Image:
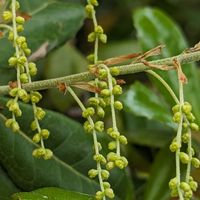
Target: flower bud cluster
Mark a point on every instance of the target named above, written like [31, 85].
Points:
[25, 70]
[183, 114]
[187, 188]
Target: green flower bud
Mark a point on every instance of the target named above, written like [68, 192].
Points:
[184, 158]
[195, 162]
[93, 101]
[102, 103]
[33, 125]
[107, 100]
[100, 112]
[24, 78]
[188, 194]
[9, 122]
[12, 61]
[40, 113]
[118, 105]
[123, 139]
[99, 195]
[99, 146]
[109, 193]
[105, 174]
[190, 150]
[27, 51]
[20, 28]
[15, 126]
[120, 164]
[20, 40]
[13, 92]
[102, 84]
[114, 134]
[190, 117]
[98, 29]
[44, 133]
[48, 154]
[193, 185]
[35, 153]
[32, 69]
[94, 2]
[174, 193]
[99, 126]
[92, 173]
[22, 94]
[91, 37]
[112, 156]
[117, 90]
[105, 92]
[99, 158]
[112, 145]
[177, 117]
[114, 71]
[194, 127]
[35, 97]
[185, 125]
[88, 127]
[88, 112]
[187, 108]
[11, 36]
[7, 16]
[106, 185]
[22, 60]
[20, 20]
[185, 186]
[41, 152]
[110, 165]
[36, 138]
[89, 10]
[103, 38]
[90, 58]
[24, 44]
[102, 73]
[176, 108]
[26, 99]
[173, 183]
[186, 137]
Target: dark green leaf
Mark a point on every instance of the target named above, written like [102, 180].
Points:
[162, 171]
[51, 194]
[7, 188]
[52, 21]
[73, 156]
[154, 28]
[141, 101]
[142, 131]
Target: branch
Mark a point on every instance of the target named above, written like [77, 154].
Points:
[87, 76]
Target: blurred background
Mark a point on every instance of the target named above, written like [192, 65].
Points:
[131, 26]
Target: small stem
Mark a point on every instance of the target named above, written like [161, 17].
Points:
[165, 84]
[14, 39]
[112, 101]
[5, 26]
[95, 141]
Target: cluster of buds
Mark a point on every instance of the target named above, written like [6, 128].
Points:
[184, 113]
[25, 70]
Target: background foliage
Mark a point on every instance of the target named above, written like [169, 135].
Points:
[146, 119]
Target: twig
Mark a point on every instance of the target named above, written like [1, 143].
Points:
[87, 76]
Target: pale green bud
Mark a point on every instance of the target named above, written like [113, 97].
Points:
[185, 186]
[22, 60]
[105, 92]
[123, 139]
[91, 37]
[112, 145]
[92, 173]
[24, 78]
[184, 158]
[12, 61]
[40, 113]
[99, 126]
[114, 71]
[109, 193]
[174, 146]
[93, 101]
[105, 174]
[7, 16]
[100, 112]
[173, 183]
[103, 38]
[194, 127]
[99, 158]
[99, 195]
[186, 137]
[117, 90]
[48, 154]
[20, 28]
[176, 108]
[94, 2]
[110, 165]
[195, 162]
[32, 69]
[88, 127]
[36, 138]
[20, 20]
[33, 125]
[15, 126]
[35, 97]
[177, 117]
[44, 133]
[13, 92]
[193, 185]
[112, 156]
[98, 29]
[118, 105]
[89, 10]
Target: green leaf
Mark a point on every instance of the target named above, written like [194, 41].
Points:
[142, 131]
[141, 101]
[73, 155]
[154, 27]
[7, 188]
[161, 172]
[51, 194]
[52, 21]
